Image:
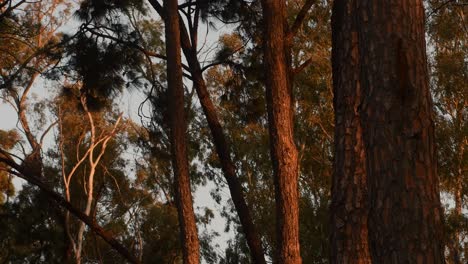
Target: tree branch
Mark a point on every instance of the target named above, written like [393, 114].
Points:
[158, 7]
[435, 10]
[132, 45]
[300, 18]
[90, 222]
[302, 66]
[189, 4]
[47, 131]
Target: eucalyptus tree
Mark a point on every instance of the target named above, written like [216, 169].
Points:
[448, 47]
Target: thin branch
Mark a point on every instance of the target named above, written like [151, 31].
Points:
[196, 20]
[10, 8]
[216, 63]
[4, 154]
[435, 10]
[189, 4]
[302, 66]
[300, 18]
[47, 131]
[158, 7]
[133, 45]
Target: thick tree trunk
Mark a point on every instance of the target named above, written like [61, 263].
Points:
[383, 107]
[349, 207]
[395, 111]
[281, 128]
[183, 194]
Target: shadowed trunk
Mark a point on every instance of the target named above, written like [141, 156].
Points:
[383, 120]
[349, 206]
[178, 126]
[280, 108]
[395, 110]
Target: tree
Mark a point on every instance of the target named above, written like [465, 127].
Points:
[448, 42]
[388, 93]
[183, 191]
[349, 206]
[280, 118]
[89, 162]
[239, 92]
[280, 106]
[189, 39]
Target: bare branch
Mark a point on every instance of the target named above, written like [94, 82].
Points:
[302, 66]
[47, 131]
[300, 18]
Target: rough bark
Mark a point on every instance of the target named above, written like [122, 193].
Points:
[178, 127]
[223, 148]
[349, 207]
[398, 131]
[284, 153]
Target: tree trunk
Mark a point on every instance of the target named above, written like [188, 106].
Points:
[224, 155]
[395, 110]
[178, 126]
[281, 129]
[222, 146]
[349, 207]
[456, 245]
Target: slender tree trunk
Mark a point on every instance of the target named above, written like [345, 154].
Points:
[224, 155]
[280, 117]
[222, 146]
[456, 247]
[178, 126]
[349, 207]
[33, 161]
[395, 110]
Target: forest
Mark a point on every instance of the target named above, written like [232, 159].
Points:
[234, 131]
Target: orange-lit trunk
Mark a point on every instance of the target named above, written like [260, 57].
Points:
[280, 107]
[178, 127]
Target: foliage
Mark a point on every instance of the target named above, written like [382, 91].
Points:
[449, 66]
